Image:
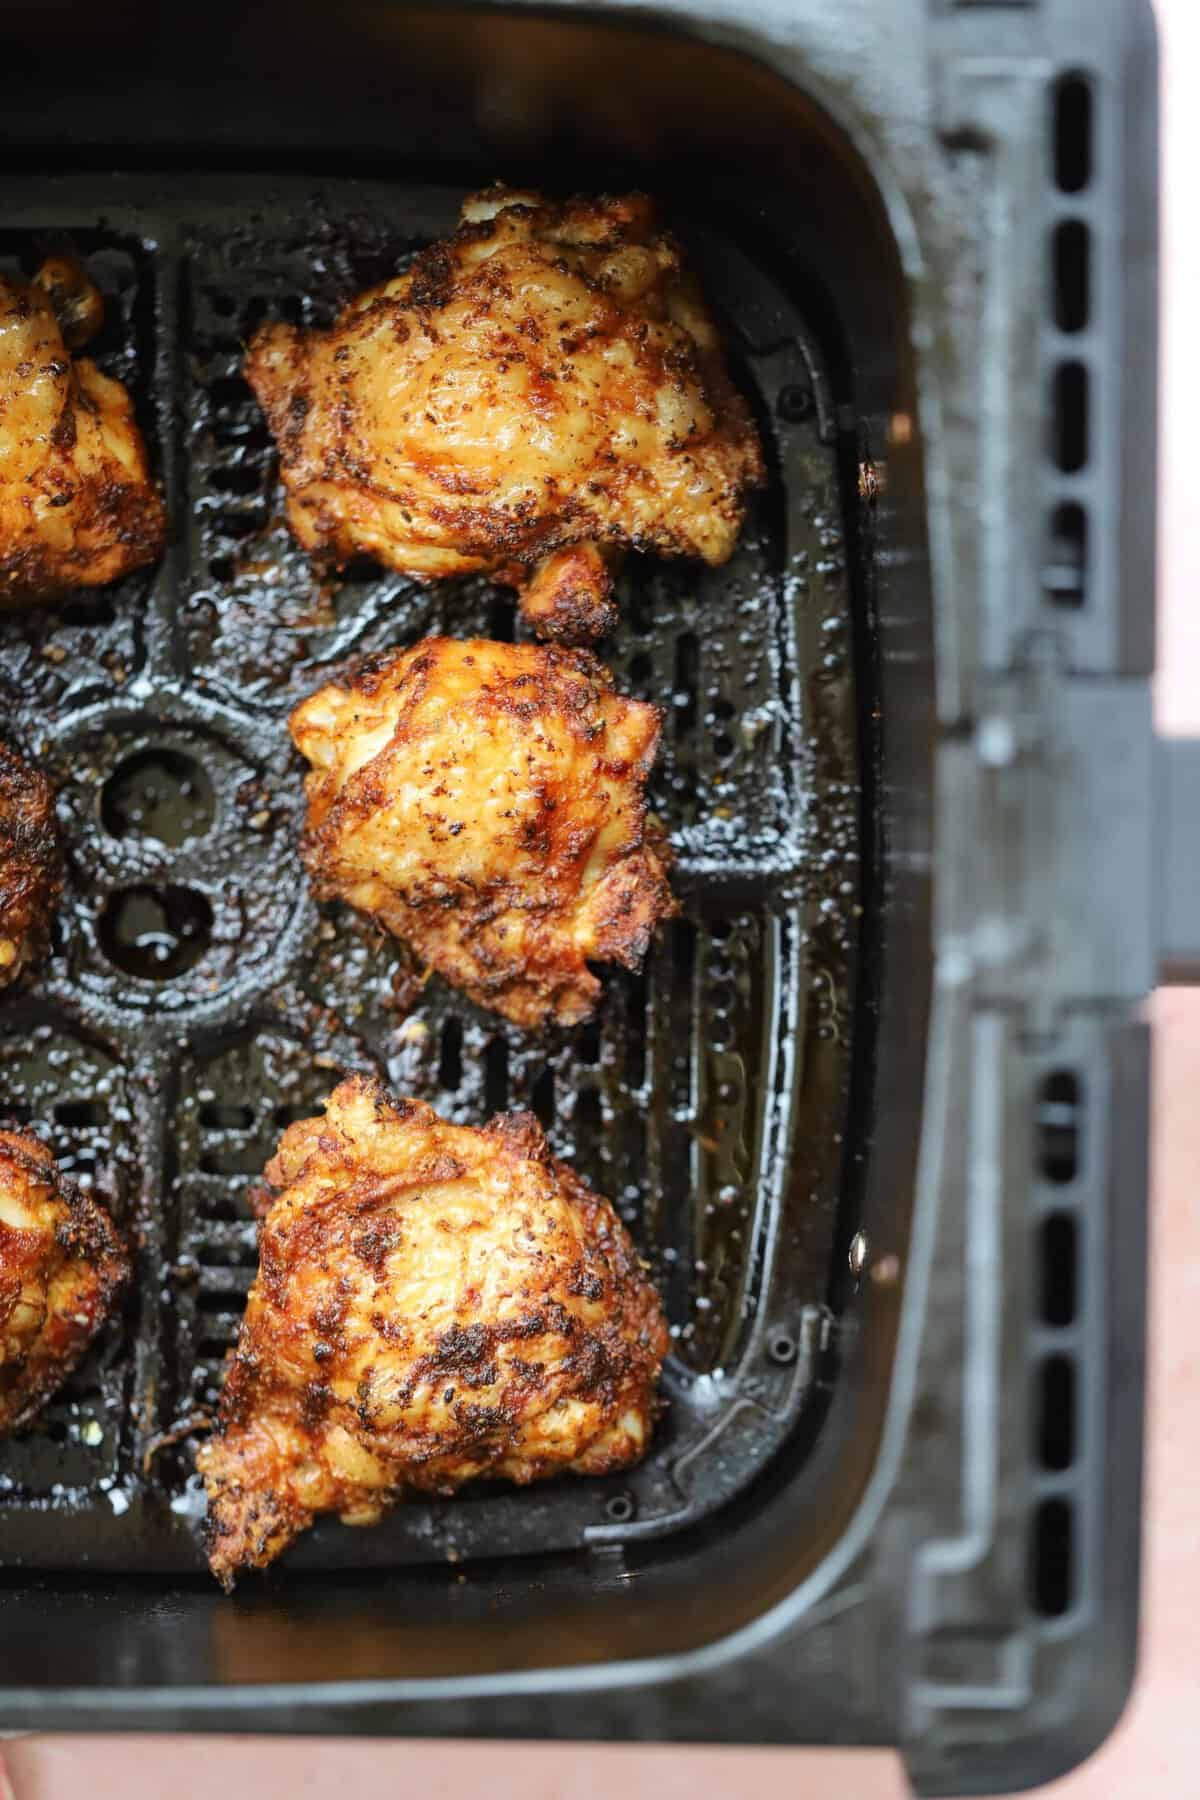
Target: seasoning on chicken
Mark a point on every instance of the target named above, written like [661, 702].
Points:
[485, 803]
[62, 1266]
[539, 390]
[30, 868]
[434, 1304]
[77, 506]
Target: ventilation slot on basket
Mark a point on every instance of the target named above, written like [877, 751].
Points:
[1058, 1114]
[241, 479]
[502, 618]
[541, 1098]
[588, 1120]
[450, 1065]
[219, 1312]
[231, 1154]
[1072, 275]
[1071, 406]
[215, 1117]
[1057, 1376]
[1059, 1257]
[1051, 1571]
[80, 1115]
[1072, 378]
[284, 1116]
[495, 1076]
[1056, 1413]
[1064, 573]
[633, 1073]
[684, 750]
[1072, 133]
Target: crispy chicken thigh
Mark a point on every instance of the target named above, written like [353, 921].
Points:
[61, 1268]
[30, 868]
[485, 803]
[530, 395]
[434, 1304]
[77, 506]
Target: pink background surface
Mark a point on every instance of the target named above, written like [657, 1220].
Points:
[1157, 1745]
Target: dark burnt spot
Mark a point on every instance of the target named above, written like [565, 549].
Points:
[586, 1285]
[316, 1397]
[63, 433]
[328, 1314]
[477, 1421]
[560, 1320]
[391, 1329]
[374, 1245]
[464, 1346]
[593, 1366]
[432, 281]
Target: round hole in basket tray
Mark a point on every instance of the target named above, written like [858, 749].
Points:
[158, 793]
[156, 932]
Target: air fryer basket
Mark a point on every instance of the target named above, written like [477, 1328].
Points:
[872, 1104]
[196, 1002]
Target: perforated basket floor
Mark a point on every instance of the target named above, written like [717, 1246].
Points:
[197, 1000]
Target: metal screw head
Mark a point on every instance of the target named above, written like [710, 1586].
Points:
[620, 1508]
[860, 1249]
[795, 403]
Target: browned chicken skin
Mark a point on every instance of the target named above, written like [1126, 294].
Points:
[434, 1304]
[77, 506]
[61, 1268]
[30, 868]
[485, 803]
[535, 392]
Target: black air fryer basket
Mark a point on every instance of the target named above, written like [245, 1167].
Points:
[876, 1109]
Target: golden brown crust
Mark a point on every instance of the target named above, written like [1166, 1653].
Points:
[485, 802]
[569, 596]
[62, 1265]
[546, 377]
[30, 866]
[77, 506]
[434, 1304]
